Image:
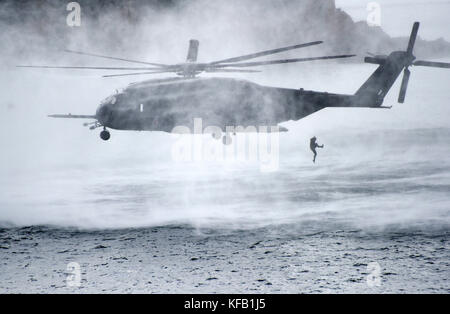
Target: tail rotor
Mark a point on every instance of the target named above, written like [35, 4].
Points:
[411, 61]
[391, 67]
[409, 58]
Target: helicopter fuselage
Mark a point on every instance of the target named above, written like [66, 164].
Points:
[218, 102]
[165, 104]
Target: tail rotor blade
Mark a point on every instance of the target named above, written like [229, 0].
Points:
[412, 38]
[442, 65]
[404, 87]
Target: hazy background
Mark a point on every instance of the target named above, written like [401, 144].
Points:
[397, 15]
[59, 172]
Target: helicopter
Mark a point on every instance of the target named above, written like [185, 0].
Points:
[163, 104]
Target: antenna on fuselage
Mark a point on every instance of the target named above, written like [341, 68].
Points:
[192, 51]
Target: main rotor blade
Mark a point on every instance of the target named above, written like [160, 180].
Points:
[251, 64]
[412, 38]
[218, 70]
[139, 73]
[82, 68]
[432, 64]
[265, 53]
[72, 116]
[404, 86]
[114, 58]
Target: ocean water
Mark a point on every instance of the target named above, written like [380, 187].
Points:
[372, 215]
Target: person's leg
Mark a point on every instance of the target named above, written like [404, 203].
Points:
[315, 154]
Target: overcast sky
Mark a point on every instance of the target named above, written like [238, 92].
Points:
[397, 16]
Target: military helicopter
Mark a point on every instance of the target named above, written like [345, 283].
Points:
[163, 104]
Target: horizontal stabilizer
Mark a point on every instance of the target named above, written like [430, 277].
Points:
[375, 60]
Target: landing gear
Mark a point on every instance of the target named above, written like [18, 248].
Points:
[105, 135]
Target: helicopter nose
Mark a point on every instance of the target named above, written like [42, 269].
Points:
[104, 114]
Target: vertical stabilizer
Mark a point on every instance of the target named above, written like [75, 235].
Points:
[380, 82]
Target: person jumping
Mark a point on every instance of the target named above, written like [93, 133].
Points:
[313, 145]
